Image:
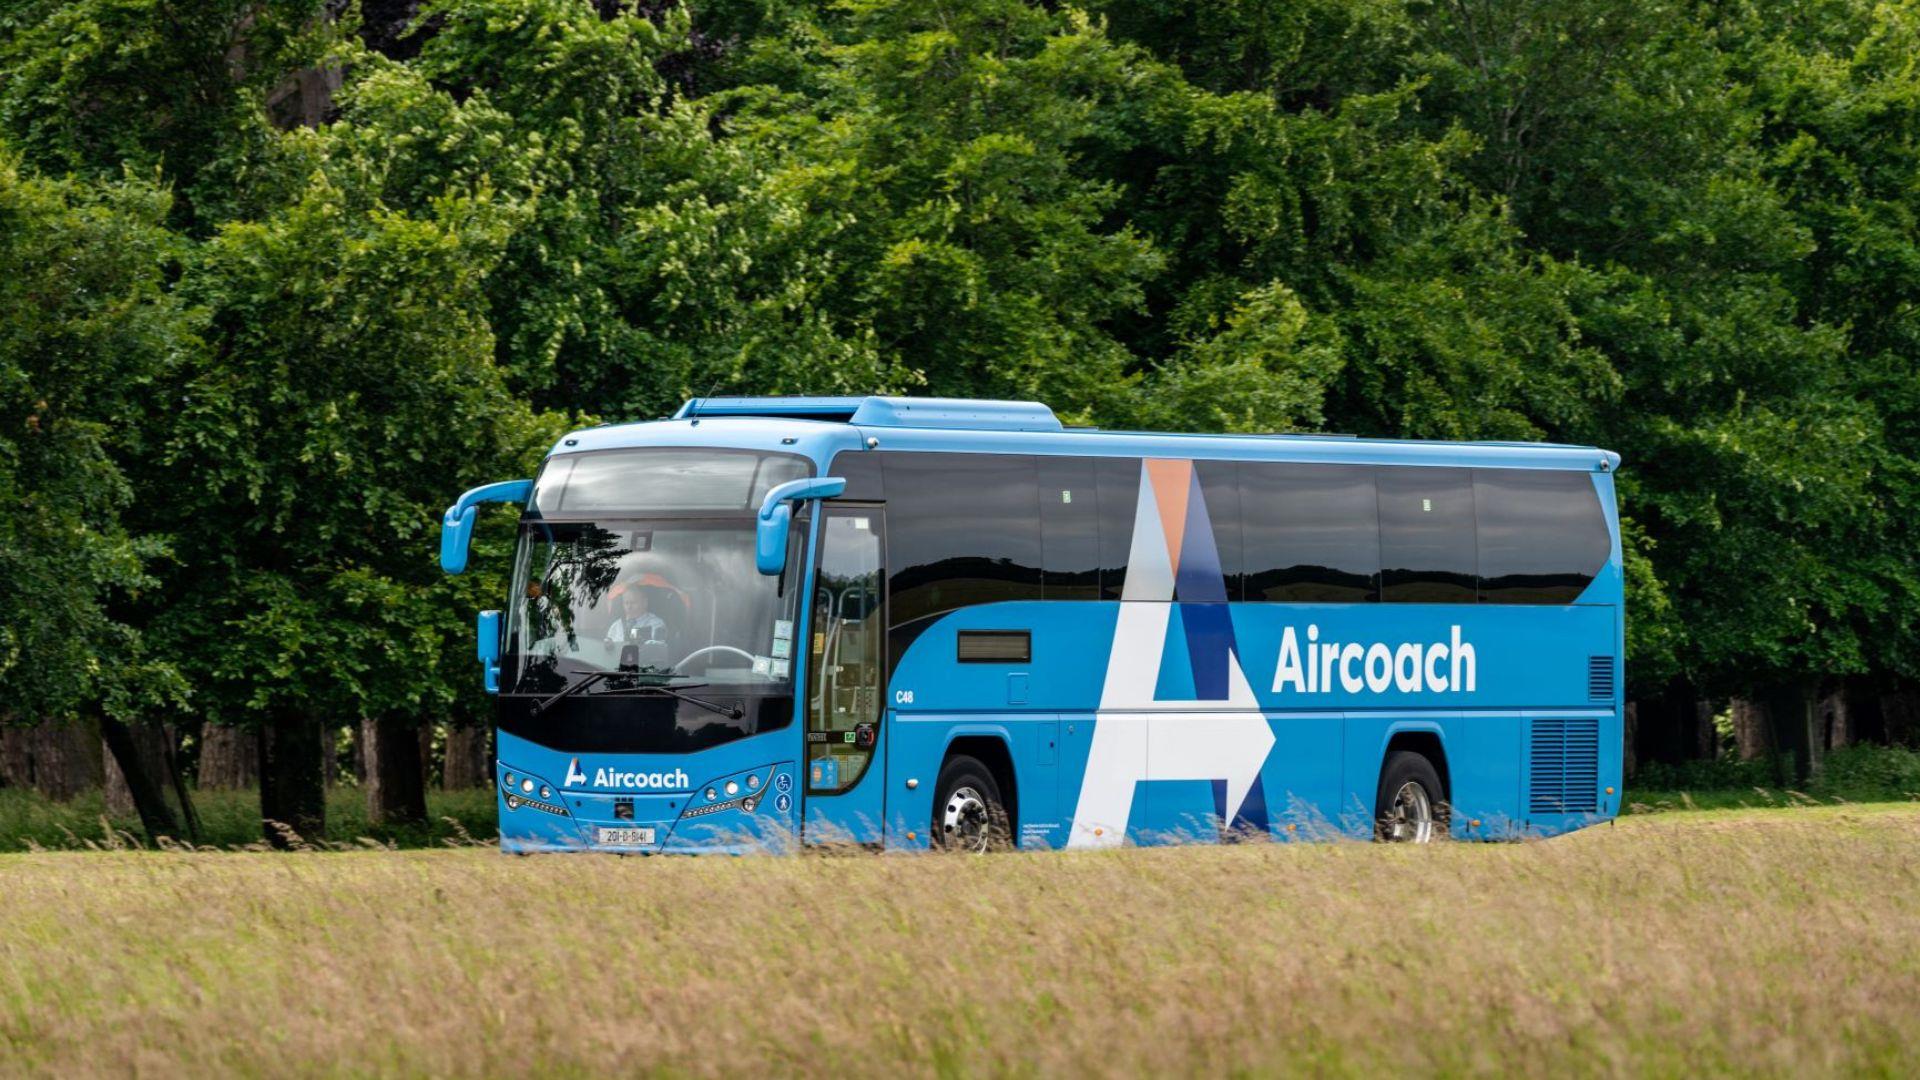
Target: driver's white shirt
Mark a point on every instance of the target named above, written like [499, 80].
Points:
[648, 624]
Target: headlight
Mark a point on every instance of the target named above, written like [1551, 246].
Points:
[712, 794]
[546, 792]
[527, 785]
[513, 802]
[511, 780]
[733, 787]
[753, 782]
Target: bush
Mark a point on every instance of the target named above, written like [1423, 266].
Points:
[1863, 773]
[1719, 775]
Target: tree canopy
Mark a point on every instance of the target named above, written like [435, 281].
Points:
[278, 278]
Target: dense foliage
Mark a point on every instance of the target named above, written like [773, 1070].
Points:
[249, 343]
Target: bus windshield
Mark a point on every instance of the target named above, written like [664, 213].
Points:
[662, 597]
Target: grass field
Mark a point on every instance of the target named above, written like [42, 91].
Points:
[1769, 942]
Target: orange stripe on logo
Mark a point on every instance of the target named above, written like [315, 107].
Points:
[1171, 482]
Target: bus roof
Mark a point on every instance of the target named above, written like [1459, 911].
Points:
[822, 426]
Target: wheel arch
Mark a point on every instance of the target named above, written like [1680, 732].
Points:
[993, 752]
[1429, 742]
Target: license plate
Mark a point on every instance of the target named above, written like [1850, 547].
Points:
[626, 837]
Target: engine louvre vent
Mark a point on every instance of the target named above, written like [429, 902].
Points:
[1600, 678]
[1565, 773]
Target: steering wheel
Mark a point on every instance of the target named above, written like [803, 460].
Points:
[742, 653]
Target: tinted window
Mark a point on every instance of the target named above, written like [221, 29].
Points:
[1543, 535]
[1426, 535]
[1119, 483]
[861, 470]
[662, 478]
[1069, 529]
[1220, 490]
[1312, 532]
[963, 529]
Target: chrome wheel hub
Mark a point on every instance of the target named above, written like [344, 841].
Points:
[964, 820]
[1410, 818]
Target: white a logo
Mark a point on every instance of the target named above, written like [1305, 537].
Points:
[575, 777]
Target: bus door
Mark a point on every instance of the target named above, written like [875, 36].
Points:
[846, 670]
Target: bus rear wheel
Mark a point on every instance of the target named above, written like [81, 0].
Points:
[1410, 807]
[968, 813]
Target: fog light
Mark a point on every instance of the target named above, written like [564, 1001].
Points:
[527, 785]
[712, 794]
[513, 802]
[733, 787]
[546, 792]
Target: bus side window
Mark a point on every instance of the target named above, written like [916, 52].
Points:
[1312, 532]
[1427, 544]
[1069, 529]
[1220, 490]
[1118, 480]
[1543, 535]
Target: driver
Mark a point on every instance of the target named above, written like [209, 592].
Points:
[634, 622]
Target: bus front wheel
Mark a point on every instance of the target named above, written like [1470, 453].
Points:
[968, 813]
[1411, 806]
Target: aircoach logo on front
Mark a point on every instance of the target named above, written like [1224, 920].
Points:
[615, 778]
[1410, 667]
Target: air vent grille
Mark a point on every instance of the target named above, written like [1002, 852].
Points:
[1565, 775]
[1600, 678]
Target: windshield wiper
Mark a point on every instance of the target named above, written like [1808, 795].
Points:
[568, 691]
[731, 712]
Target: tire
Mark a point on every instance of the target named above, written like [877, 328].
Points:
[968, 812]
[1411, 805]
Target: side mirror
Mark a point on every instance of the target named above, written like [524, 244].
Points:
[486, 636]
[776, 515]
[456, 528]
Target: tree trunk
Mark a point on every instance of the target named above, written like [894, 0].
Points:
[144, 783]
[150, 747]
[1810, 757]
[1752, 734]
[1708, 746]
[293, 789]
[396, 794]
[427, 734]
[229, 758]
[1900, 712]
[1835, 719]
[58, 760]
[468, 764]
[1631, 761]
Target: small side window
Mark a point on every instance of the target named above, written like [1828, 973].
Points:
[995, 646]
[1427, 553]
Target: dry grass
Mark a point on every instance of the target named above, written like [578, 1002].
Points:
[1774, 943]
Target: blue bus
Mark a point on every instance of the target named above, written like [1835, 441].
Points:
[912, 623]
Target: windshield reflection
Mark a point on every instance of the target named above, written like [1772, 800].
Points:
[657, 597]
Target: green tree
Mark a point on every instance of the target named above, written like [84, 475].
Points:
[349, 388]
[88, 332]
[181, 86]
